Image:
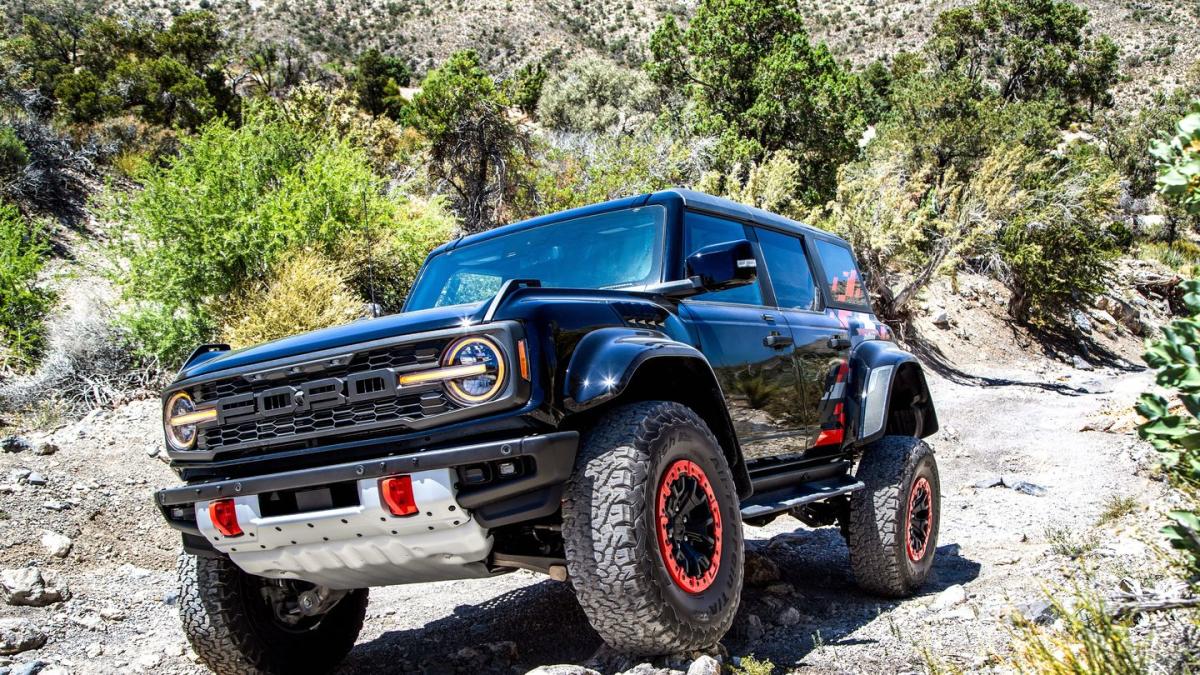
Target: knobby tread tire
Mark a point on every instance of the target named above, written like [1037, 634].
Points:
[217, 622]
[612, 551]
[876, 534]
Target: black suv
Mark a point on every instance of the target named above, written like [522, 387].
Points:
[604, 395]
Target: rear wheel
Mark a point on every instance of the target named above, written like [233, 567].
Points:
[893, 522]
[241, 624]
[653, 531]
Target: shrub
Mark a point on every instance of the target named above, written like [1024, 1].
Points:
[1087, 640]
[594, 94]
[375, 79]
[23, 304]
[1179, 162]
[223, 213]
[304, 291]
[13, 155]
[771, 185]
[474, 147]
[1175, 431]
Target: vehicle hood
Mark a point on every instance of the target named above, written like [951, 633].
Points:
[364, 330]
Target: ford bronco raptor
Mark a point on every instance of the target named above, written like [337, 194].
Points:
[604, 395]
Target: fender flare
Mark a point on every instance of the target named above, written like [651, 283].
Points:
[606, 362]
[876, 366]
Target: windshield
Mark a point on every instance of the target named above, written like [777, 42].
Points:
[608, 250]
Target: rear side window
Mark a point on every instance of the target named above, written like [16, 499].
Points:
[704, 231]
[842, 278]
[788, 266]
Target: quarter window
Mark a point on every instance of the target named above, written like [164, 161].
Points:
[787, 264]
[842, 278]
[704, 231]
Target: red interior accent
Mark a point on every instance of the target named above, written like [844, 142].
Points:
[397, 493]
[223, 514]
[920, 490]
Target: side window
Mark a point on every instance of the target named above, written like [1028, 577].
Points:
[700, 231]
[844, 282]
[787, 264]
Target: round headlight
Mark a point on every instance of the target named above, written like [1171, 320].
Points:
[179, 436]
[488, 360]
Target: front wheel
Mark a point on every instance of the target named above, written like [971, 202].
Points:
[653, 531]
[241, 624]
[893, 523]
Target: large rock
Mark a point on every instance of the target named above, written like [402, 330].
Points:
[19, 635]
[57, 545]
[705, 665]
[564, 669]
[952, 596]
[759, 570]
[15, 444]
[27, 586]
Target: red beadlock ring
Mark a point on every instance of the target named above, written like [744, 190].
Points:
[679, 474]
[918, 524]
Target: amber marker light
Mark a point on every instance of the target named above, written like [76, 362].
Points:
[523, 360]
[194, 417]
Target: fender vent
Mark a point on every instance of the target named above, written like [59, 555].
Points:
[641, 315]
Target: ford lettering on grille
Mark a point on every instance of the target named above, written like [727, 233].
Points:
[329, 392]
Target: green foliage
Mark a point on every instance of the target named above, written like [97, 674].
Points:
[1027, 50]
[1058, 247]
[771, 185]
[1179, 162]
[23, 250]
[96, 67]
[752, 666]
[474, 147]
[760, 85]
[223, 213]
[304, 291]
[1173, 428]
[527, 85]
[376, 81]
[13, 154]
[1088, 639]
[593, 94]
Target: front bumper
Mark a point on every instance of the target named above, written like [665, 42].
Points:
[361, 543]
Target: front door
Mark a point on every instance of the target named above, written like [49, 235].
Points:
[749, 345]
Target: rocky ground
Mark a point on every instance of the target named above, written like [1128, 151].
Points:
[1024, 485]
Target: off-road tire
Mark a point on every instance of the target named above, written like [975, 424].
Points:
[612, 542]
[878, 529]
[234, 634]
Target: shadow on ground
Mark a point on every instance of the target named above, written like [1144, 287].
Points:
[546, 625]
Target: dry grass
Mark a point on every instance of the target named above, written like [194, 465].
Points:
[1086, 640]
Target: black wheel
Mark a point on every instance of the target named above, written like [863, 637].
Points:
[243, 624]
[893, 523]
[653, 531]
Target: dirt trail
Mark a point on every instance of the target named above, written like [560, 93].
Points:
[994, 543]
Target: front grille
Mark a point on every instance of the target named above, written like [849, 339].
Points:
[342, 421]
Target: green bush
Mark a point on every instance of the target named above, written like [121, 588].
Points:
[222, 214]
[13, 154]
[376, 80]
[594, 94]
[23, 250]
[1179, 162]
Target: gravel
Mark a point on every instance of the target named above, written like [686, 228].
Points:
[800, 607]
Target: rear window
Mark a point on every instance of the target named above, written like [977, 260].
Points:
[842, 279]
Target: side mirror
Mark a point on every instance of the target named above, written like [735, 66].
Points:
[725, 265]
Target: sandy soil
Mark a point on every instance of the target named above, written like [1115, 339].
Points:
[995, 543]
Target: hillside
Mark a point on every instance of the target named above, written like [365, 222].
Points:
[1155, 38]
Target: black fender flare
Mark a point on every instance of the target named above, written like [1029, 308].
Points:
[607, 361]
[876, 366]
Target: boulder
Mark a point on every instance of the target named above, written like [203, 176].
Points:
[45, 448]
[57, 545]
[760, 570]
[15, 444]
[705, 665]
[27, 586]
[19, 635]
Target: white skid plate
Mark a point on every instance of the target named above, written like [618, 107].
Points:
[359, 546]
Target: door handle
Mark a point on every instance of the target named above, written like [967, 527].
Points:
[838, 342]
[777, 341]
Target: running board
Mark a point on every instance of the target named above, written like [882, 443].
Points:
[787, 499]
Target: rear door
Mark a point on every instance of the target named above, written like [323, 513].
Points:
[821, 341]
[750, 346]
